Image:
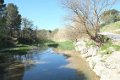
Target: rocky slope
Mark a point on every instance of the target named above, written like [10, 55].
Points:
[105, 66]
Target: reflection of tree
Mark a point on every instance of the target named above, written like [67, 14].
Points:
[14, 63]
[10, 68]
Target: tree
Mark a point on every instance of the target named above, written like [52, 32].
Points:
[2, 22]
[54, 32]
[88, 13]
[28, 35]
[13, 22]
[13, 19]
[43, 34]
[110, 16]
[2, 5]
[2, 17]
[75, 31]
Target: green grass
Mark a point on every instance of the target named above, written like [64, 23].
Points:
[21, 48]
[113, 27]
[89, 43]
[66, 45]
[108, 48]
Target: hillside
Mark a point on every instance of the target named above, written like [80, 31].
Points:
[113, 27]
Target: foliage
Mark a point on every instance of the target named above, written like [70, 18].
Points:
[27, 34]
[13, 22]
[2, 22]
[88, 13]
[44, 34]
[110, 16]
[10, 27]
[10, 21]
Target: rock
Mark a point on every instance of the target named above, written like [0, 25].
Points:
[93, 50]
[86, 55]
[105, 66]
[109, 74]
[110, 69]
[99, 68]
[94, 60]
[89, 52]
[92, 64]
[113, 61]
[89, 59]
[81, 45]
[84, 51]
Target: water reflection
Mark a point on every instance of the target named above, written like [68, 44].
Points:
[36, 65]
[10, 68]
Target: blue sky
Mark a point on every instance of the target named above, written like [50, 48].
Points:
[46, 14]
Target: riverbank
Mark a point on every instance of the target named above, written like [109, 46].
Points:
[77, 62]
[19, 48]
[102, 64]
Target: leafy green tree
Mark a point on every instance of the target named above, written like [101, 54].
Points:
[28, 35]
[2, 18]
[13, 22]
[110, 16]
[2, 5]
[2, 22]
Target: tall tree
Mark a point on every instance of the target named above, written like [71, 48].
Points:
[2, 5]
[2, 16]
[13, 18]
[13, 21]
[2, 22]
[28, 35]
[88, 13]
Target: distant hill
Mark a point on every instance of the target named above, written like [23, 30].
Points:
[113, 27]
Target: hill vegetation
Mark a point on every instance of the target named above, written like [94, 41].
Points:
[112, 27]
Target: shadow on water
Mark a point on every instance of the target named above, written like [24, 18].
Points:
[37, 65]
[54, 45]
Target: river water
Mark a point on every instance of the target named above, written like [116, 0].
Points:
[40, 65]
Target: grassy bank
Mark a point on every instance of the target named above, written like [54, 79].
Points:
[25, 47]
[113, 27]
[66, 45]
[63, 45]
[21, 48]
[108, 48]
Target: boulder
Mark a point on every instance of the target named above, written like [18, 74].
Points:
[113, 61]
[99, 68]
[81, 45]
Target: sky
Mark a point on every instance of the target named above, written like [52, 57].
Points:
[45, 14]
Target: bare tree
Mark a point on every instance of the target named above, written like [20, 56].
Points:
[75, 31]
[88, 13]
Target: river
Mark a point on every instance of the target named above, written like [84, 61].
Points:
[43, 65]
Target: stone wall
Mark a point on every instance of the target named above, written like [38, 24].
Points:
[107, 67]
